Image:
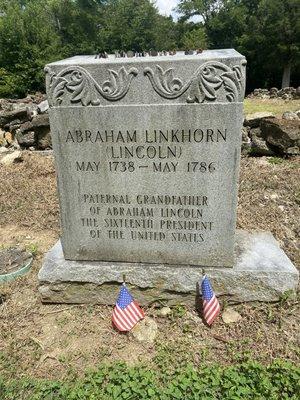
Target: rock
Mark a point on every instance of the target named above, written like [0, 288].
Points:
[292, 151]
[230, 316]
[3, 142]
[246, 142]
[38, 122]
[2, 138]
[253, 120]
[4, 150]
[8, 116]
[165, 311]
[298, 113]
[16, 145]
[145, 331]
[13, 125]
[289, 115]
[259, 147]
[284, 135]
[41, 120]
[9, 137]
[26, 140]
[43, 107]
[43, 138]
[11, 158]
[40, 126]
[26, 126]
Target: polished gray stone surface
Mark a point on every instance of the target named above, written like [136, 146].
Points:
[261, 272]
[147, 153]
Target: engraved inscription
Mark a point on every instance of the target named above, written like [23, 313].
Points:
[164, 218]
[147, 218]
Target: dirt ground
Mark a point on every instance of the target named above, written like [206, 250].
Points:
[57, 340]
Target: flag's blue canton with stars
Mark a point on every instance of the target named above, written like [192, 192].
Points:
[126, 312]
[211, 306]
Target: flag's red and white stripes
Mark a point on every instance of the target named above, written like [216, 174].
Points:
[125, 319]
[211, 309]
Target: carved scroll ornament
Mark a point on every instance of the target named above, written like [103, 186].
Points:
[205, 84]
[76, 85]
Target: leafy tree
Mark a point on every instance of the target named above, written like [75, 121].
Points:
[195, 39]
[279, 32]
[205, 8]
[130, 25]
[26, 43]
[267, 32]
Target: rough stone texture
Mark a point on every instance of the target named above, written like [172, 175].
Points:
[36, 132]
[9, 137]
[27, 139]
[284, 135]
[254, 120]
[179, 107]
[259, 147]
[8, 116]
[43, 107]
[230, 316]
[261, 272]
[39, 121]
[165, 311]
[43, 138]
[11, 158]
[246, 141]
[286, 93]
[290, 115]
[145, 331]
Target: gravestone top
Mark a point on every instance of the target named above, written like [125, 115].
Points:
[147, 152]
[179, 55]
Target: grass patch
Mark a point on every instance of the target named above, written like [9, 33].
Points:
[276, 160]
[276, 106]
[280, 380]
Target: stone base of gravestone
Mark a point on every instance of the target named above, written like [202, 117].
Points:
[262, 272]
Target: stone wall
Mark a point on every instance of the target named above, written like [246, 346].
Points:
[288, 93]
[24, 123]
[265, 135]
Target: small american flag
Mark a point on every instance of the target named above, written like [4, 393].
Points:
[211, 306]
[127, 312]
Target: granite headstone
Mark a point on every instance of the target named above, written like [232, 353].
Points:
[147, 152]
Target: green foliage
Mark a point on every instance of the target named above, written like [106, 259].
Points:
[267, 32]
[275, 160]
[33, 249]
[278, 381]
[10, 84]
[36, 32]
[195, 39]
